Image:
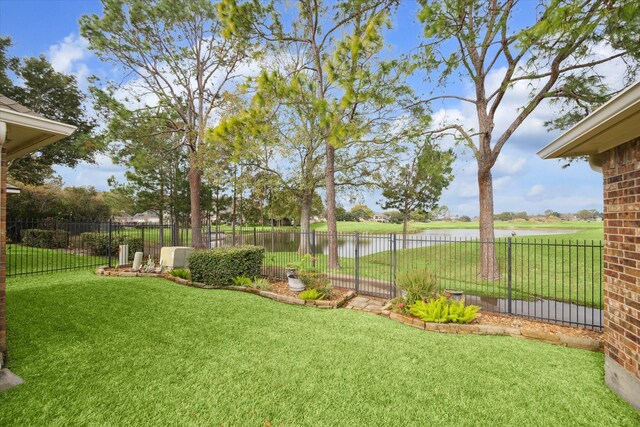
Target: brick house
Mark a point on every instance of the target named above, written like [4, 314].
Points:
[610, 137]
[21, 132]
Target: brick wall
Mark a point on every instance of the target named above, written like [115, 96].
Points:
[621, 173]
[3, 240]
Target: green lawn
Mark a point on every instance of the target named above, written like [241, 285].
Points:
[564, 225]
[23, 260]
[135, 352]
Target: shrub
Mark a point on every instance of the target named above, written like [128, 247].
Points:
[311, 294]
[311, 279]
[262, 284]
[399, 305]
[51, 239]
[417, 284]
[241, 281]
[98, 243]
[221, 265]
[182, 273]
[325, 290]
[444, 310]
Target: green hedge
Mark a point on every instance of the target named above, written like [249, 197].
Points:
[98, 243]
[221, 265]
[51, 239]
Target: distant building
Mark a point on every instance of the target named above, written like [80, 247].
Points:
[122, 217]
[147, 217]
[380, 217]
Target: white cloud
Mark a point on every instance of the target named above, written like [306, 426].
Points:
[67, 57]
[535, 190]
[508, 164]
[502, 182]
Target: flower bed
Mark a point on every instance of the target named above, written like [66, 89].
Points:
[494, 324]
[278, 291]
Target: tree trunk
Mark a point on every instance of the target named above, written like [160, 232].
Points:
[195, 185]
[305, 223]
[489, 269]
[332, 226]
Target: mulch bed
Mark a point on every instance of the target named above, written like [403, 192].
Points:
[485, 318]
[281, 287]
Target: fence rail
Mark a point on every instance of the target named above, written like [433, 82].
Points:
[553, 280]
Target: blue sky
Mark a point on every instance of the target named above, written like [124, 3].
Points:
[522, 181]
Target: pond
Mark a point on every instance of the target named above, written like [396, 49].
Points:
[289, 241]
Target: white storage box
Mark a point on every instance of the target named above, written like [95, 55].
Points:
[172, 257]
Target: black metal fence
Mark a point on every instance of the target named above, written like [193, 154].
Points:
[553, 280]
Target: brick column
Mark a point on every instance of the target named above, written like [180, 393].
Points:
[621, 173]
[3, 253]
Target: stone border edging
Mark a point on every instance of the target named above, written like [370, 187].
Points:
[528, 333]
[105, 271]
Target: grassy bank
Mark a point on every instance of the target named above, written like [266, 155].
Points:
[146, 352]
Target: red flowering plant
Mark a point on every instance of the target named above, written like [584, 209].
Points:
[399, 305]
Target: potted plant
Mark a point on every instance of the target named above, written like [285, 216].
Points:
[293, 271]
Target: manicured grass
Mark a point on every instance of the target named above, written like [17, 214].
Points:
[135, 352]
[23, 260]
[563, 225]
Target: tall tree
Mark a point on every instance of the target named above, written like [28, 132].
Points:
[480, 42]
[184, 56]
[353, 89]
[144, 141]
[55, 96]
[417, 183]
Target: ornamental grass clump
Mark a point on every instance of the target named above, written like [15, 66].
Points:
[241, 281]
[417, 284]
[444, 310]
[182, 273]
[261, 283]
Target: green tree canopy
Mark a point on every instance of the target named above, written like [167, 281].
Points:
[55, 96]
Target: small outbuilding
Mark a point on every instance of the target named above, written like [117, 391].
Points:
[21, 132]
[610, 138]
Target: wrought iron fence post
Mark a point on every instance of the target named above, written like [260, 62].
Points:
[209, 243]
[255, 237]
[313, 247]
[174, 235]
[110, 241]
[395, 261]
[509, 275]
[142, 238]
[357, 262]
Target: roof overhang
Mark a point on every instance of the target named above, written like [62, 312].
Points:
[26, 133]
[12, 189]
[613, 124]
